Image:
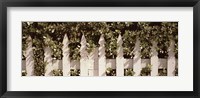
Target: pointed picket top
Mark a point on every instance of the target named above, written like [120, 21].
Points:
[84, 64]
[66, 58]
[119, 40]
[102, 57]
[120, 58]
[83, 51]
[83, 40]
[29, 40]
[65, 40]
[65, 45]
[102, 46]
[120, 48]
[102, 41]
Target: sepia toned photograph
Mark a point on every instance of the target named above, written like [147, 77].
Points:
[99, 48]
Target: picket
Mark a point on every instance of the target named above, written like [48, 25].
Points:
[57, 64]
[119, 58]
[137, 59]
[95, 63]
[154, 60]
[102, 57]
[171, 63]
[48, 61]
[75, 64]
[84, 64]
[66, 58]
[128, 63]
[29, 58]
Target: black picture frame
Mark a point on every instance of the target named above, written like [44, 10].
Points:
[99, 3]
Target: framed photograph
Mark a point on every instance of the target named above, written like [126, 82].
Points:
[129, 48]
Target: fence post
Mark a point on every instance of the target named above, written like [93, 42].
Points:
[83, 61]
[102, 57]
[48, 61]
[120, 58]
[137, 66]
[154, 59]
[171, 63]
[29, 58]
[66, 59]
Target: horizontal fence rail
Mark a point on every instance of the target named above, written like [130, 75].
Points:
[96, 64]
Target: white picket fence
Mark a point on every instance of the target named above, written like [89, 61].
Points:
[95, 63]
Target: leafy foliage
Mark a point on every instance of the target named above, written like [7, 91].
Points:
[75, 72]
[57, 72]
[51, 34]
[162, 72]
[146, 71]
[110, 72]
[129, 72]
